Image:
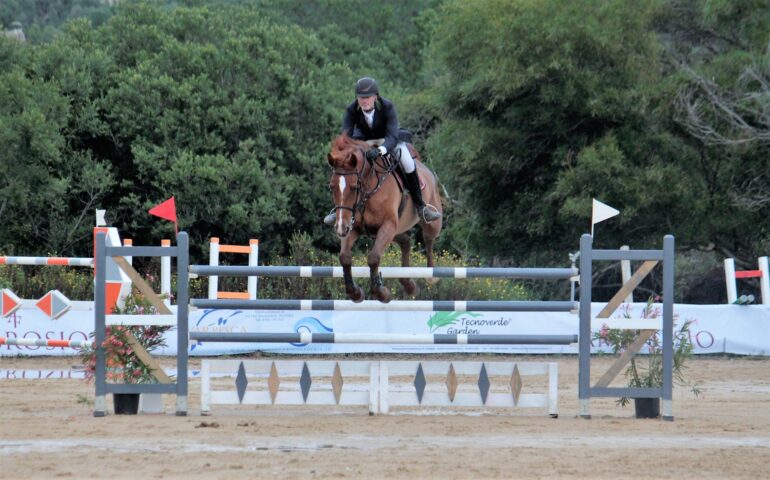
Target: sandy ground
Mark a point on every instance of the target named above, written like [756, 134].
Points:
[46, 432]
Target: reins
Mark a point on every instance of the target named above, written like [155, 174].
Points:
[381, 167]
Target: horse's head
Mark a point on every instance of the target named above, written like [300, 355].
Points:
[346, 159]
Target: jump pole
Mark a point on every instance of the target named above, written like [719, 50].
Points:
[41, 342]
[396, 305]
[386, 338]
[387, 272]
[61, 261]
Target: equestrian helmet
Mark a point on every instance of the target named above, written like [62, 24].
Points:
[366, 87]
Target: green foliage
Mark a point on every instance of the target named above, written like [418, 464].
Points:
[220, 107]
[716, 90]
[43, 19]
[226, 122]
[526, 86]
[36, 281]
[48, 184]
[526, 109]
[383, 40]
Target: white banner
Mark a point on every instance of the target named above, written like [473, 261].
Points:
[736, 329]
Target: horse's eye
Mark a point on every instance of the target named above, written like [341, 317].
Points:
[354, 188]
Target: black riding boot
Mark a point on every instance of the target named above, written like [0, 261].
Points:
[426, 212]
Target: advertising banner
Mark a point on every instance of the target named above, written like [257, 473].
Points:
[736, 329]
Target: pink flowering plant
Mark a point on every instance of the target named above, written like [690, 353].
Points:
[123, 366]
[646, 371]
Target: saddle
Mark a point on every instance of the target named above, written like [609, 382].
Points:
[404, 136]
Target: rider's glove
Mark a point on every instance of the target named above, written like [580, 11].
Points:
[372, 154]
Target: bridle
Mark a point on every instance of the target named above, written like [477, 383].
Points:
[381, 167]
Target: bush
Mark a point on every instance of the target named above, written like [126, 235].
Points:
[33, 282]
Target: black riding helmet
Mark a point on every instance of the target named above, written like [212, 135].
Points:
[366, 87]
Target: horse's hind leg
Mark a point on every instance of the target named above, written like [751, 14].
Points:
[404, 241]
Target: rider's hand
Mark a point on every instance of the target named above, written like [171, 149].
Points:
[372, 154]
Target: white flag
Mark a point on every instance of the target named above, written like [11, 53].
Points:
[100, 221]
[600, 213]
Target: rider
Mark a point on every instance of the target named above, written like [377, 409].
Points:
[372, 117]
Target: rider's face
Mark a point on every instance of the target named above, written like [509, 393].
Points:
[367, 103]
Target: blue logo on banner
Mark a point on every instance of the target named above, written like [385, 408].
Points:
[220, 321]
[310, 325]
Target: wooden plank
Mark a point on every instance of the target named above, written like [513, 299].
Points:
[143, 286]
[156, 302]
[627, 288]
[234, 249]
[233, 295]
[643, 336]
[625, 357]
[147, 359]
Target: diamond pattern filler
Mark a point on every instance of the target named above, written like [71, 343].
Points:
[241, 382]
[451, 383]
[273, 382]
[419, 383]
[337, 383]
[516, 385]
[305, 381]
[483, 384]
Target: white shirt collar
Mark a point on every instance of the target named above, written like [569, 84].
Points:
[369, 117]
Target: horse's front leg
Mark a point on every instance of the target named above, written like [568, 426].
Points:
[377, 287]
[353, 291]
[404, 242]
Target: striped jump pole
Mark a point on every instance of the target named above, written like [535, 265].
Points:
[394, 306]
[385, 338]
[387, 272]
[63, 261]
[41, 342]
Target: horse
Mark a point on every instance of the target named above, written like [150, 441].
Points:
[368, 201]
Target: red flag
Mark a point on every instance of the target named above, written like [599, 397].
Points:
[166, 210]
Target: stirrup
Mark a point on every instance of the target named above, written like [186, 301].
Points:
[331, 218]
[429, 213]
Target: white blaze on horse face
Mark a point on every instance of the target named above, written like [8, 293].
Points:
[342, 184]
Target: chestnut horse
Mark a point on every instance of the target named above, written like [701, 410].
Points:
[368, 200]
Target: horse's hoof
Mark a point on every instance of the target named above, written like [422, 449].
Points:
[382, 294]
[432, 281]
[357, 296]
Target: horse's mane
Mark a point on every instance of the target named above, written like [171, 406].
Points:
[344, 147]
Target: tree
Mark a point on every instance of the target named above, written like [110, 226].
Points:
[48, 190]
[524, 87]
[719, 52]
